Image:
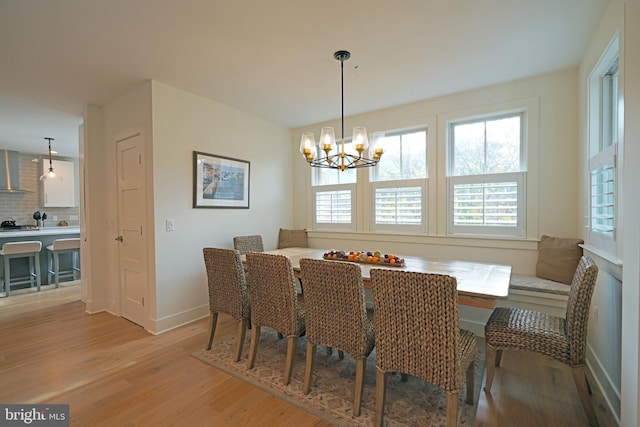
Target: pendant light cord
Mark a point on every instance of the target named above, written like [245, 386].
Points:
[50, 162]
[342, 91]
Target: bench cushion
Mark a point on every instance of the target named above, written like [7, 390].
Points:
[537, 284]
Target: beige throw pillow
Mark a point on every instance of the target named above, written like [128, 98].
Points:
[292, 238]
[558, 258]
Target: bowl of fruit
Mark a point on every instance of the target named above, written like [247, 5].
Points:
[368, 257]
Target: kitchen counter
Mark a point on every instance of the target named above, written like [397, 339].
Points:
[46, 231]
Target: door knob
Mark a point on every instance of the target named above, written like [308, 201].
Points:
[119, 239]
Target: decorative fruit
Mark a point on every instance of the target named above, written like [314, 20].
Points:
[364, 256]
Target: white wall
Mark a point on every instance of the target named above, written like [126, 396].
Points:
[94, 293]
[630, 384]
[604, 340]
[183, 123]
[102, 125]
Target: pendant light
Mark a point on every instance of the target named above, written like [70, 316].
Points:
[51, 173]
[335, 154]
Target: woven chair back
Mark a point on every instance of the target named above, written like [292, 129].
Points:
[335, 310]
[417, 326]
[578, 305]
[273, 294]
[246, 244]
[227, 284]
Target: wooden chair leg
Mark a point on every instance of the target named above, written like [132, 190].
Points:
[253, 347]
[291, 354]
[471, 382]
[452, 409]
[308, 370]
[213, 323]
[580, 378]
[491, 367]
[361, 365]
[498, 357]
[381, 389]
[242, 328]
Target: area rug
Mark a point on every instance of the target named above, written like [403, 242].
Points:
[411, 403]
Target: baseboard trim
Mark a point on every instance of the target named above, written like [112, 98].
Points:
[610, 393]
[167, 323]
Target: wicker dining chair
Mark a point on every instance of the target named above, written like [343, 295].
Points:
[564, 339]
[246, 244]
[336, 316]
[418, 333]
[275, 304]
[227, 291]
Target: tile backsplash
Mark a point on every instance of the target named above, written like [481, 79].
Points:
[21, 206]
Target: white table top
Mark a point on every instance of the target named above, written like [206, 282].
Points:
[479, 284]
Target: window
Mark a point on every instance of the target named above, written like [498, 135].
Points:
[333, 206]
[603, 142]
[486, 176]
[333, 193]
[399, 183]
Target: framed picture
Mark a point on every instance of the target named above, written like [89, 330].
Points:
[220, 182]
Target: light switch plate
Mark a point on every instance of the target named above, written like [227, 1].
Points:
[170, 224]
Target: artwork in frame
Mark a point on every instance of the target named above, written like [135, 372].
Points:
[220, 182]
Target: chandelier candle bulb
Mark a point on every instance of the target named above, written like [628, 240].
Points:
[307, 146]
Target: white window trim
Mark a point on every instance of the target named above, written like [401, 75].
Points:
[602, 241]
[529, 107]
[333, 226]
[399, 228]
[611, 246]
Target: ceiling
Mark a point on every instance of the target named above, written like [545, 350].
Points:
[273, 59]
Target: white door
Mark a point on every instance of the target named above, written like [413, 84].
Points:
[131, 235]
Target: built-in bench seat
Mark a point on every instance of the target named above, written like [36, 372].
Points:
[535, 293]
[536, 284]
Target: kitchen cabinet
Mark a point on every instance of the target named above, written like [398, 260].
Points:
[60, 190]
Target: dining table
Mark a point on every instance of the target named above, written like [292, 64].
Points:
[479, 284]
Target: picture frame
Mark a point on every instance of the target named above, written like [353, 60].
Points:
[220, 182]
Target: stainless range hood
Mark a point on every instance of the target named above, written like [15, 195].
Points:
[10, 172]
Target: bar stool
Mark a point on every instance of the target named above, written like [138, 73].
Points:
[63, 246]
[27, 249]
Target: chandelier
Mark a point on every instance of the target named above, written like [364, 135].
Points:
[335, 154]
[51, 173]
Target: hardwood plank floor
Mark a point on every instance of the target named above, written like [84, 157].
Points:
[113, 373]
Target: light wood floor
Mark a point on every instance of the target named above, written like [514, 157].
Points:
[113, 373]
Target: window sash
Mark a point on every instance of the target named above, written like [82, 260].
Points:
[603, 198]
[492, 204]
[399, 206]
[603, 191]
[334, 207]
[412, 162]
[483, 163]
